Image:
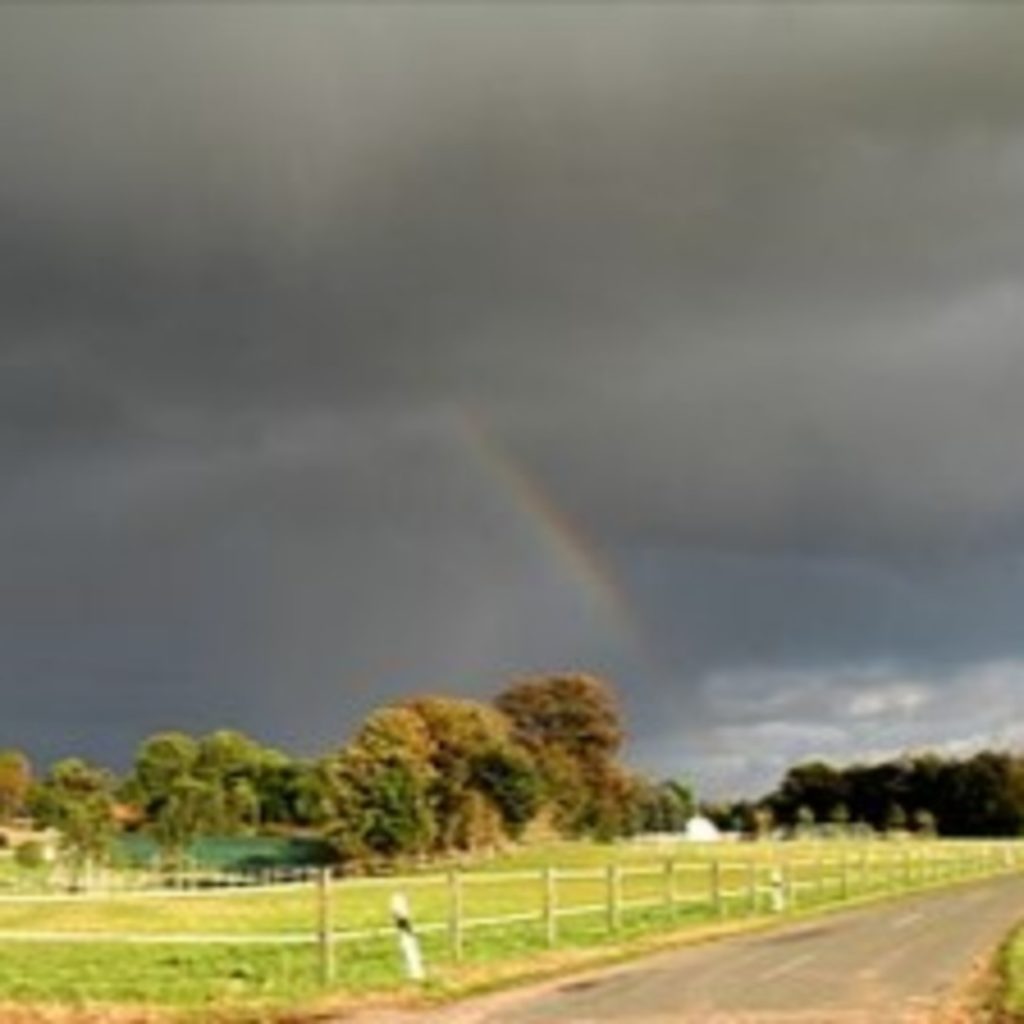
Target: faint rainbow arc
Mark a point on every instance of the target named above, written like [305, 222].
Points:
[565, 540]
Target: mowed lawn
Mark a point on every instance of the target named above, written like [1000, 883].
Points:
[259, 947]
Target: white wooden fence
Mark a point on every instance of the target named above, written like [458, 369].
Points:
[706, 885]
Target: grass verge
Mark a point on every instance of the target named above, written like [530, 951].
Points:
[1005, 1002]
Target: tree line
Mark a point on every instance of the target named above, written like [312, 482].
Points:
[430, 775]
[436, 775]
[977, 795]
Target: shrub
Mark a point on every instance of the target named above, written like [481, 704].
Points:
[30, 855]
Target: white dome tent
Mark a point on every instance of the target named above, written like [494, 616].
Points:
[702, 830]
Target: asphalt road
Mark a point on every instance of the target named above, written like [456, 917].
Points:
[894, 962]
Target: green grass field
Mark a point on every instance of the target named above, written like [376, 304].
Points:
[1013, 977]
[258, 948]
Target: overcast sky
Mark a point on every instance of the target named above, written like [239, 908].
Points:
[348, 351]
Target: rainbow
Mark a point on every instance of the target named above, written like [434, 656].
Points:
[568, 545]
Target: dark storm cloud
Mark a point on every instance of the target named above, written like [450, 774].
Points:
[740, 288]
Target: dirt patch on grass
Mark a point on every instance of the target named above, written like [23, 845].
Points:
[12, 1013]
[80, 1015]
[978, 998]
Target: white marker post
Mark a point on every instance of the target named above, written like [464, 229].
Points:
[408, 944]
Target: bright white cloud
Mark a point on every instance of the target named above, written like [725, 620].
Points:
[759, 722]
[898, 698]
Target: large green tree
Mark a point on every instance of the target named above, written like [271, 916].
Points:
[484, 785]
[292, 792]
[572, 727]
[664, 806]
[223, 783]
[15, 782]
[981, 795]
[161, 760]
[77, 799]
[379, 788]
[815, 785]
[575, 712]
[232, 765]
[509, 778]
[247, 786]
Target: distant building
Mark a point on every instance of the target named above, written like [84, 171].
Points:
[702, 830]
[48, 839]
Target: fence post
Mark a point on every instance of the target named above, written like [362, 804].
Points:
[819, 878]
[325, 927]
[752, 880]
[670, 888]
[613, 889]
[789, 888]
[550, 912]
[715, 882]
[455, 914]
[777, 890]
